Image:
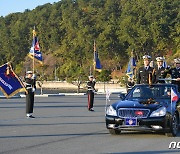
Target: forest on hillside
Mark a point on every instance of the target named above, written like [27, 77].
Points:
[67, 29]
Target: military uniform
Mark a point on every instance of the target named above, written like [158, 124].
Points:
[30, 87]
[91, 90]
[160, 74]
[160, 70]
[144, 74]
[175, 73]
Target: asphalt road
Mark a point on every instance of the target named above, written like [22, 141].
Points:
[64, 126]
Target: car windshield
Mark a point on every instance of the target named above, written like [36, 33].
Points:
[155, 92]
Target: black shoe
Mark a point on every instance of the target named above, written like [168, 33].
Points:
[32, 117]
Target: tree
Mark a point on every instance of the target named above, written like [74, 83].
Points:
[67, 29]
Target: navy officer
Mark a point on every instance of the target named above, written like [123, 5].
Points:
[30, 84]
[90, 85]
[146, 74]
[175, 73]
[160, 70]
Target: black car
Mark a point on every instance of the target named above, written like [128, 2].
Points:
[146, 108]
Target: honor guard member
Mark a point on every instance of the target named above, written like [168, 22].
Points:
[160, 70]
[30, 84]
[129, 84]
[175, 73]
[146, 74]
[90, 85]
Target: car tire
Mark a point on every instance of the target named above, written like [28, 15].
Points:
[173, 127]
[114, 131]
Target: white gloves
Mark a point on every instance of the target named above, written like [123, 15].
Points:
[34, 76]
[33, 89]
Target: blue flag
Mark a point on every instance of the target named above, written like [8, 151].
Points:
[131, 66]
[35, 49]
[10, 84]
[97, 63]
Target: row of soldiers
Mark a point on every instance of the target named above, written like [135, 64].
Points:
[151, 75]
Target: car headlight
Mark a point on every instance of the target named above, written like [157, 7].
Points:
[159, 112]
[111, 111]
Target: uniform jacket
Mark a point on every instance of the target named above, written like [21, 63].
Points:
[30, 84]
[143, 75]
[175, 73]
[90, 85]
[160, 74]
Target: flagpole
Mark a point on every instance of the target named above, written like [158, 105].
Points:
[97, 64]
[171, 100]
[94, 59]
[90, 72]
[34, 33]
[107, 99]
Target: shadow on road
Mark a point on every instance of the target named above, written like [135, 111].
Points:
[139, 133]
[102, 132]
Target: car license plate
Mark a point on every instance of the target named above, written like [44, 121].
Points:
[131, 122]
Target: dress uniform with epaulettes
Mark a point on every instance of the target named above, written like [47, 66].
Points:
[30, 85]
[175, 73]
[146, 74]
[160, 71]
[143, 75]
[90, 85]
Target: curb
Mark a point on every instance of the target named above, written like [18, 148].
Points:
[4, 97]
[55, 95]
[74, 94]
[44, 95]
[59, 95]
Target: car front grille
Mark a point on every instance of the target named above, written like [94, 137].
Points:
[133, 113]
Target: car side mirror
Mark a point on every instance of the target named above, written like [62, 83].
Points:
[122, 96]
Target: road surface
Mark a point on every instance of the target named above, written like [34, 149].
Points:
[64, 126]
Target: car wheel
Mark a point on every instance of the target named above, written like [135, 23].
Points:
[174, 127]
[114, 131]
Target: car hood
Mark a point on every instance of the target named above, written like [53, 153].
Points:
[135, 104]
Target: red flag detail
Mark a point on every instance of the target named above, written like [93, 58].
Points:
[174, 96]
[36, 47]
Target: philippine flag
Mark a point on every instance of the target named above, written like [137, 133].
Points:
[174, 96]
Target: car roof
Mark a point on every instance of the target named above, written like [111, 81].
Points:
[157, 85]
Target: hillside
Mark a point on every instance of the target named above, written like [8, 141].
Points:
[67, 30]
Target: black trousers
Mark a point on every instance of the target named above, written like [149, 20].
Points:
[90, 99]
[29, 102]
